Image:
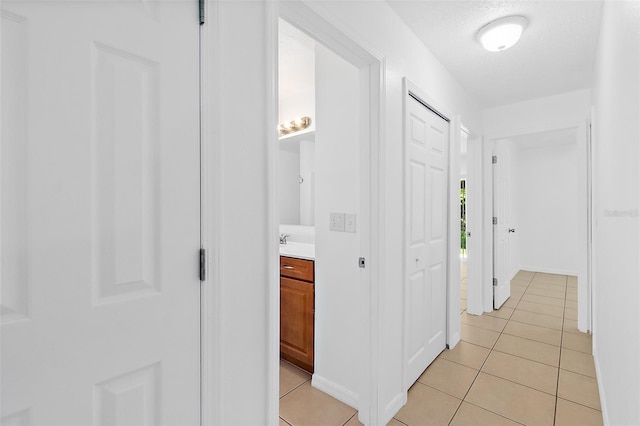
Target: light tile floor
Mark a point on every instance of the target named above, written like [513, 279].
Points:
[526, 363]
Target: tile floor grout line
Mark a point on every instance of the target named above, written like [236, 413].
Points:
[348, 420]
[527, 359]
[285, 421]
[478, 374]
[577, 373]
[555, 408]
[470, 386]
[464, 398]
[518, 383]
[296, 387]
[399, 421]
[579, 403]
[537, 325]
[493, 412]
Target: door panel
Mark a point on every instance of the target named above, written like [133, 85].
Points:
[100, 213]
[501, 210]
[426, 238]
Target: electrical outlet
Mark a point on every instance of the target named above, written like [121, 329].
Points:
[350, 222]
[336, 222]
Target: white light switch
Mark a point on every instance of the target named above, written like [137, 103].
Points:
[350, 222]
[336, 222]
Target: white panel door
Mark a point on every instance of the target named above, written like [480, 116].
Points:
[100, 213]
[426, 168]
[501, 230]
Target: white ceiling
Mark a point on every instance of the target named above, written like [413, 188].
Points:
[556, 53]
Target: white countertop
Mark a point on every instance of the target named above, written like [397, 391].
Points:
[298, 250]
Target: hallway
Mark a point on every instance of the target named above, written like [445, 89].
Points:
[526, 363]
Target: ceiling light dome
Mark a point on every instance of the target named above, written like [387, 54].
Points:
[502, 33]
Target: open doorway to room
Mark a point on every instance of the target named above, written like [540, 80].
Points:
[326, 176]
[539, 214]
[464, 247]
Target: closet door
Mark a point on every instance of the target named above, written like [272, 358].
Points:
[426, 171]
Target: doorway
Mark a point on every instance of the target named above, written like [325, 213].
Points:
[344, 209]
[540, 193]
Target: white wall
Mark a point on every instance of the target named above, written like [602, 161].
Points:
[337, 317]
[616, 335]
[242, 250]
[537, 115]
[377, 26]
[240, 33]
[545, 205]
[515, 199]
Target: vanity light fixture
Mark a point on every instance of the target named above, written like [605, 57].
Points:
[502, 33]
[294, 125]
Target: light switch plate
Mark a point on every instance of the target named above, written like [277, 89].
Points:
[350, 222]
[336, 222]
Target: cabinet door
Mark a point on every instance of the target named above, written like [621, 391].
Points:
[296, 322]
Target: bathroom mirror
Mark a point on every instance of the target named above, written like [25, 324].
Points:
[296, 174]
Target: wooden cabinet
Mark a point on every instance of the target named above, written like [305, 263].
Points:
[297, 301]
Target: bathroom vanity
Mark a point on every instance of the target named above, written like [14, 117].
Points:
[297, 301]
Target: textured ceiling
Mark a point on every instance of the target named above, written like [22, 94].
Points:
[555, 54]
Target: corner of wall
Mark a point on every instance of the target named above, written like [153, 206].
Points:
[394, 406]
[335, 390]
[601, 391]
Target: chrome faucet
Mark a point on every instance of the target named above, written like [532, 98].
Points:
[283, 238]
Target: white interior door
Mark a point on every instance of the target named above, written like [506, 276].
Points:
[474, 227]
[426, 168]
[100, 213]
[501, 226]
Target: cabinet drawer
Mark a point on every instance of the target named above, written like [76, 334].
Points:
[296, 268]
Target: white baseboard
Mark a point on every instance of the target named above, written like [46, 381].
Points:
[335, 390]
[548, 270]
[455, 339]
[603, 401]
[393, 407]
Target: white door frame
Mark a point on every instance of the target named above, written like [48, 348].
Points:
[474, 224]
[453, 240]
[583, 167]
[590, 222]
[340, 39]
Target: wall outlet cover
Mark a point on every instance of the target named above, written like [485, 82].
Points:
[350, 222]
[336, 222]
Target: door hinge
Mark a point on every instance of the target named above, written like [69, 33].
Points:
[201, 9]
[203, 264]
[494, 159]
[361, 262]
[495, 282]
[495, 220]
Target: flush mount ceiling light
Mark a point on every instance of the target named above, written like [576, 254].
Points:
[502, 33]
